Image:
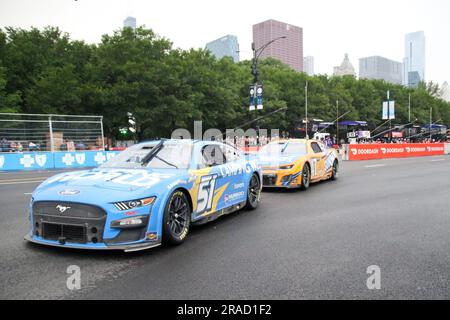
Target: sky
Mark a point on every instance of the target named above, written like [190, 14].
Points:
[331, 28]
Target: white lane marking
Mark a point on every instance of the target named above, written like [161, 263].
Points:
[375, 166]
[28, 193]
[21, 182]
[22, 179]
[436, 160]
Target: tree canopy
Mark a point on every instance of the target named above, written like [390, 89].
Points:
[137, 71]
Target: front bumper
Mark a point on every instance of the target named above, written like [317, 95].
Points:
[85, 226]
[281, 179]
[97, 246]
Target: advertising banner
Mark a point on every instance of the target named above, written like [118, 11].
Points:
[393, 150]
[252, 106]
[364, 134]
[55, 160]
[388, 107]
[26, 161]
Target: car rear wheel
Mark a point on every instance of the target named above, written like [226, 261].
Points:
[253, 193]
[334, 172]
[306, 177]
[177, 218]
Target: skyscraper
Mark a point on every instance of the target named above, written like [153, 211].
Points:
[226, 46]
[130, 22]
[445, 92]
[289, 50]
[381, 69]
[345, 69]
[308, 65]
[414, 61]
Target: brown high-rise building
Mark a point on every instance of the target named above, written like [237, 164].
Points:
[289, 50]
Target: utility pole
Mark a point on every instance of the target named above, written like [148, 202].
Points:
[431, 121]
[389, 115]
[337, 122]
[409, 114]
[409, 107]
[306, 110]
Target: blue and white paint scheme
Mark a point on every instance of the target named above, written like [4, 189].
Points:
[121, 204]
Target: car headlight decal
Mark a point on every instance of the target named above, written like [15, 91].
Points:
[286, 167]
[133, 204]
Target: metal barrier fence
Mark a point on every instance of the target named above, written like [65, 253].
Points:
[50, 132]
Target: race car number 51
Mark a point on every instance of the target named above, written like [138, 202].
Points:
[206, 193]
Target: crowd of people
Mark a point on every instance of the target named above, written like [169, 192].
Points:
[401, 140]
[30, 146]
[18, 146]
[238, 141]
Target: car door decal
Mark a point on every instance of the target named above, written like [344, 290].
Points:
[205, 193]
[313, 167]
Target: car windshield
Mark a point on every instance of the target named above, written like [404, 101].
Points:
[169, 156]
[284, 148]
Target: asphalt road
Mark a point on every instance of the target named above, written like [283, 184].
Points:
[316, 244]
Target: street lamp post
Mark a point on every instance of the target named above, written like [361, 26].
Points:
[255, 72]
[306, 110]
[389, 115]
[431, 123]
[409, 107]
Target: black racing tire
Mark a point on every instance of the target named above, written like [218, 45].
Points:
[177, 218]
[253, 193]
[306, 177]
[335, 170]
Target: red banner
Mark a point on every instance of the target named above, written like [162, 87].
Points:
[393, 150]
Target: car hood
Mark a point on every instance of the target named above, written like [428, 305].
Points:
[277, 160]
[106, 185]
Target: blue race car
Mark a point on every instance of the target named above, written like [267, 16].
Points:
[148, 194]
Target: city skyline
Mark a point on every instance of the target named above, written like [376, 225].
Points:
[329, 27]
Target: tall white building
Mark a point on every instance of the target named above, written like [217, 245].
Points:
[130, 22]
[380, 68]
[414, 61]
[345, 69]
[308, 65]
[445, 92]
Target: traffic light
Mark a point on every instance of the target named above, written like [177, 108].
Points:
[123, 132]
[132, 122]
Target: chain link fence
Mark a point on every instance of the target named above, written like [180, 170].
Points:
[50, 132]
